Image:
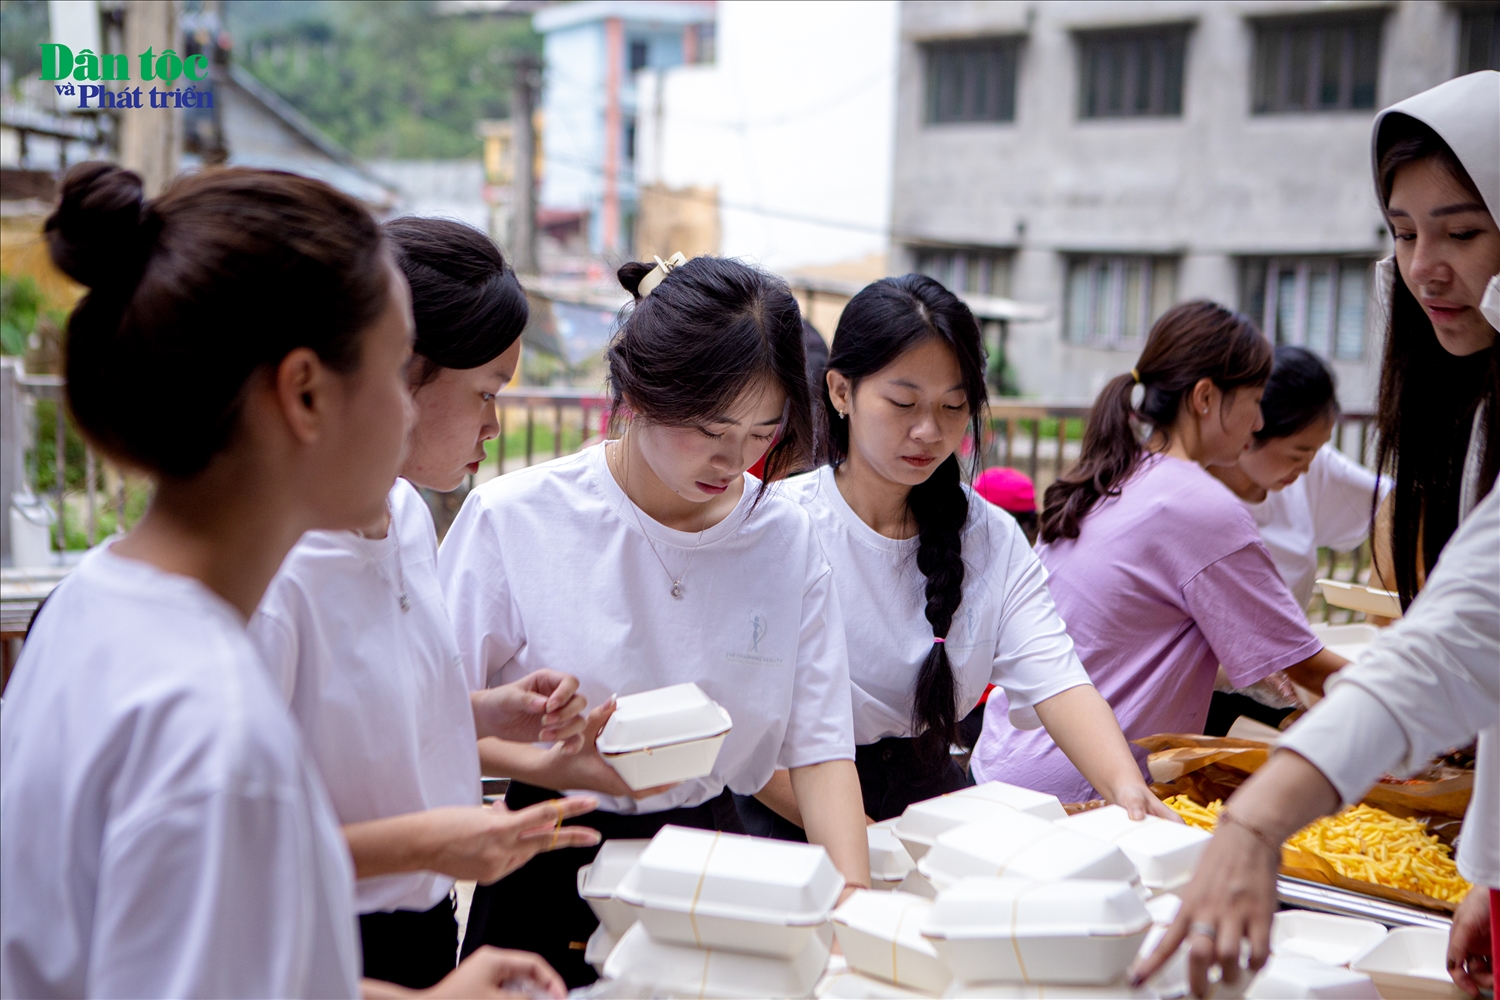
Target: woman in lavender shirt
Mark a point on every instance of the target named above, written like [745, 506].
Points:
[1155, 566]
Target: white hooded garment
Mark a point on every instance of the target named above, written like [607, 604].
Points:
[1432, 681]
[1465, 113]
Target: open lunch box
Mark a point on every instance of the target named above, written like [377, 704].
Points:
[664, 736]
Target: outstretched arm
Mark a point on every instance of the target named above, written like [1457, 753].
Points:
[1082, 725]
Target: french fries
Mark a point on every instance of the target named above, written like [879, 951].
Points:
[1363, 843]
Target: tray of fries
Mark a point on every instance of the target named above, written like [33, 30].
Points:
[1361, 849]
[1395, 845]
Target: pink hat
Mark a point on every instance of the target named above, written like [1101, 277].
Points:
[1007, 489]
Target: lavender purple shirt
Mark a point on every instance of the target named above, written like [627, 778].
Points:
[1162, 585]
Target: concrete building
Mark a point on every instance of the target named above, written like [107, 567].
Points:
[1106, 160]
[592, 51]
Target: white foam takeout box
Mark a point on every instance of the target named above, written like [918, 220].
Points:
[1356, 597]
[1023, 847]
[1292, 977]
[853, 986]
[597, 948]
[1083, 932]
[1323, 937]
[880, 936]
[1037, 991]
[1163, 852]
[1410, 962]
[722, 890]
[923, 821]
[890, 862]
[661, 969]
[664, 736]
[597, 883]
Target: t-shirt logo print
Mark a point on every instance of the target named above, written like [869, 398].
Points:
[757, 630]
[760, 628]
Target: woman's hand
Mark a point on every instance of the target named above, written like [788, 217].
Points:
[1469, 960]
[585, 769]
[541, 707]
[496, 972]
[1232, 897]
[1139, 801]
[483, 843]
[490, 842]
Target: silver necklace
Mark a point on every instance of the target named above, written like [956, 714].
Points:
[676, 583]
[390, 532]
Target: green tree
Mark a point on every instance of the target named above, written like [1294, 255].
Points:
[387, 78]
[23, 25]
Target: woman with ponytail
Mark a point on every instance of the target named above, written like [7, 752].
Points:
[941, 594]
[1155, 565]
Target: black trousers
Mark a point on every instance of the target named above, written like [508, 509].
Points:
[537, 907]
[410, 948]
[891, 777]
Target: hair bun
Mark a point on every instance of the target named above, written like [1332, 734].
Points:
[93, 235]
[630, 275]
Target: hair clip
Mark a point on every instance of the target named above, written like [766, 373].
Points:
[658, 274]
[1136, 376]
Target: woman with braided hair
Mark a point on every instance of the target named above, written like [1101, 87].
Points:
[941, 593]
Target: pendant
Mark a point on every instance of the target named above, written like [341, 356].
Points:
[677, 589]
[405, 602]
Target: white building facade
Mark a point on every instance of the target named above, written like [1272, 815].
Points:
[1106, 160]
[592, 52]
[792, 125]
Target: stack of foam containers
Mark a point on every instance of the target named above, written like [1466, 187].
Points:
[721, 915]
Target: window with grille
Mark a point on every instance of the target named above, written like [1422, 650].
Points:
[1113, 300]
[1478, 37]
[968, 270]
[1317, 63]
[1129, 74]
[1314, 302]
[972, 80]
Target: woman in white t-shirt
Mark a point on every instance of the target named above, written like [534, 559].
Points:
[940, 591]
[1303, 494]
[355, 633]
[655, 560]
[162, 830]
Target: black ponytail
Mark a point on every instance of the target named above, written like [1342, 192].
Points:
[882, 322]
[1191, 341]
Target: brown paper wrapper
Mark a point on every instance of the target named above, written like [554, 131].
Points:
[1205, 768]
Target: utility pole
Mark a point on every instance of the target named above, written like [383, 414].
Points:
[523, 146]
[151, 139]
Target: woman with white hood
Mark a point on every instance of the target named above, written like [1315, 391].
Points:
[1432, 681]
[1438, 178]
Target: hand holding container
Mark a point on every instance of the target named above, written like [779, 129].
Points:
[664, 736]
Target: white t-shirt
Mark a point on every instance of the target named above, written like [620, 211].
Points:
[380, 693]
[549, 567]
[1005, 632]
[1328, 507]
[163, 834]
[1429, 682]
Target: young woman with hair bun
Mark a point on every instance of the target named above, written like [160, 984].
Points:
[940, 591]
[356, 633]
[659, 561]
[1156, 567]
[162, 830]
